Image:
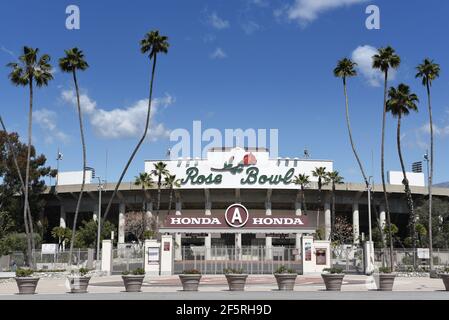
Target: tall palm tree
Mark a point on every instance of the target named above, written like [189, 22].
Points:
[303, 181]
[384, 59]
[429, 71]
[70, 63]
[401, 101]
[159, 171]
[333, 178]
[144, 180]
[320, 173]
[29, 71]
[170, 182]
[152, 44]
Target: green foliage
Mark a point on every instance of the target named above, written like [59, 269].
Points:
[440, 222]
[24, 272]
[191, 271]
[16, 242]
[86, 236]
[233, 271]
[284, 269]
[333, 270]
[125, 273]
[83, 271]
[384, 270]
[149, 234]
[135, 272]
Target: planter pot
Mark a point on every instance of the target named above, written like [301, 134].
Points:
[286, 281]
[133, 283]
[236, 282]
[445, 277]
[190, 282]
[79, 284]
[333, 281]
[27, 285]
[386, 281]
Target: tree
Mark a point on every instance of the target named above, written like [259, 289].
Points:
[160, 170]
[63, 235]
[144, 180]
[134, 225]
[70, 63]
[333, 178]
[170, 182]
[86, 237]
[439, 221]
[320, 173]
[429, 71]
[401, 101]
[29, 71]
[303, 181]
[384, 59]
[152, 44]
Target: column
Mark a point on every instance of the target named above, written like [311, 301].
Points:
[208, 203]
[298, 243]
[207, 245]
[298, 210]
[106, 256]
[178, 206]
[62, 217]
[268, 208]
[382, 219]
[327, 220]
[178, 248]
[355, 222]
[148, 215]
[121, 223]
[269, 248]
[95, 213]
[238, 246]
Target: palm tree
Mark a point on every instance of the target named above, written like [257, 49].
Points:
[303, 181]
[384, 59]
[29, 71]
[160, 169]
[70, 63]
[320, 173]
[152, 44]
[144, 180]
[333, 178]
[429, 71]
[401, 101]
[170, 183]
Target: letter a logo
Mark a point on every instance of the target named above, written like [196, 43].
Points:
[236, 216]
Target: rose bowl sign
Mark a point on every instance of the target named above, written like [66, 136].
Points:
[237, 216]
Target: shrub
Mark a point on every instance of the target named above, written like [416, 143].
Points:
[138, 272]
[284, 269]
[384, 270]
[233, 271]
[23, 272]
[125, 273]
[191, 271]
[83, 271]
[333, 270]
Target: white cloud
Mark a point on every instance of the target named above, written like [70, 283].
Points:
[420, 137]
[306, 11]
[217, 22]
[122, 122]
[218, 54]
[363, 56]
[47, 121]
[250, 27]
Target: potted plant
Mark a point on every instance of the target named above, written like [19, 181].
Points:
[445, 276]
[25, 281]
[79, 281]
[386, 279]
[190, 279]
[236, 279]
[333, 278]
[285, 278]
[133, 280]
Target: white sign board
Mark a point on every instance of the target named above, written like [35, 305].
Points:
[153, 255]
[423, 253]
[49, 248]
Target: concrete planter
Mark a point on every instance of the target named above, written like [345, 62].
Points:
[27, 285]
[133, 283]
[190, 282]
[333, 281]
[386, 281]
[445, 278]
[236, 281]
[286, 281]
[79, 284]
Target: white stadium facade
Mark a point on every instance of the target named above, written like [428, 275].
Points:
[202, 207]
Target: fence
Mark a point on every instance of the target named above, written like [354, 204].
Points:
[127, 257]
[250, 259]
[349, 258]
[403, 258]
[46, 261]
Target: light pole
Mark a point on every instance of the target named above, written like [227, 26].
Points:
[369, 247]
[100, 187]
[369, 207]
[58, 158]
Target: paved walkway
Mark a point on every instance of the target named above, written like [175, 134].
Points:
[215, 287]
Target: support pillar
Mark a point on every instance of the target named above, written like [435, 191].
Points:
[121, 223]
[238, 246]
[327, 220]
[178, 248]
[298, 246]
[298, 210]
[382, 218]
[355, 222]
[269, 248]
[207, 245]
[148, 215]
[62, 217]
[369, 257]
[178, 206]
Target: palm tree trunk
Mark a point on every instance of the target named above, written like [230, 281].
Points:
[144, 212]
[407, 190]
[430, 177]
[382, 165]
[137, 146]
[159, 184]
[80, 118]
[303, 196]
[333, 212]
[170, 201]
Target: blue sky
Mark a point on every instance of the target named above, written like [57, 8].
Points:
[231, 64]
